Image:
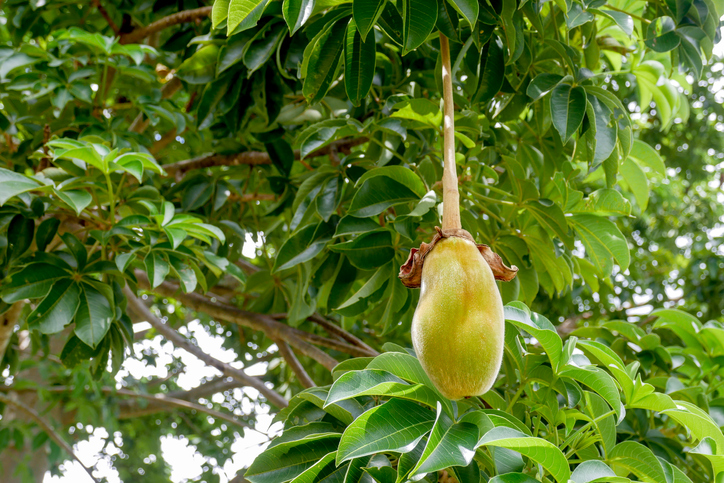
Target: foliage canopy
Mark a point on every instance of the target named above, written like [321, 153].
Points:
[149, 146]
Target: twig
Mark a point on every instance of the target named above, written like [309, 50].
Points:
[253, 158]
[179, 341]
[48, 430]
[294, 364]
[334, 330]
[185, 16]
[108, 18]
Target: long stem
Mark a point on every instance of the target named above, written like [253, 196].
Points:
[450, 194]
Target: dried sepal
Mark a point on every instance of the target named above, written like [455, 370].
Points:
[411, 271]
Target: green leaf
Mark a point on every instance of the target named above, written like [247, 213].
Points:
[469, 9]
[539, 450]
[94, 316]
[244, 14]
[396, 426]
[366, 13]
[13, 184]
[418, 21]
[353, 383]
[200, 68]
[550, 216]
[296, 13]
[78, 200]
[368, 251]
[157, 268]
[370, 287]
[540, 328]
[323, 60]
[637, 459]
[359, 64]
[449, 444]
[542, 85]
[593, 470]
[491, 71]
[661, 35]
[302, 246]
[647, 156]
[636, 181]
[697, 421]
[319, 470]
[46, 232]
[423, 111]
[568, 107]
[57, 309]
[602, 240]
[286, 461]
[20, 236]
[219, 12]
[598, 381]
[32, 282]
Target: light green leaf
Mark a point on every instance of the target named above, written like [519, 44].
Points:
[244, 14]
[636, 181]
[13, 184]
[539, 450]
[396, 426]
[602, 240]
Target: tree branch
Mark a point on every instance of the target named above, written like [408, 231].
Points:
[253, 158]
[167, 400]
[108, 18]
[334, 330]
[294, 364]
[273, 329]
[179, 341]
[32, 414]
[185, 16]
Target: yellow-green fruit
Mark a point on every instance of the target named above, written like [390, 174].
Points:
[458, 327]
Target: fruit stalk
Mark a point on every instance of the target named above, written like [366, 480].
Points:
[450, 194]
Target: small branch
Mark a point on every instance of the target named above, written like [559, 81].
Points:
[248, 198]
[294, 364]
[253, 158]
[108, 18]
[170, 401]
[334, 330]
[185, 16]
[450, 194]
[179, 341]
[32, 414]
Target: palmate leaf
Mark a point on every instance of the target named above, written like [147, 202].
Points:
[94, 316]
[57, 309]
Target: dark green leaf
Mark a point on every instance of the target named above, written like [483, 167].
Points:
[359, 64]
[418, 21]
[57, 309]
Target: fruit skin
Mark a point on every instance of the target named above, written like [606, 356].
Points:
[458, 328]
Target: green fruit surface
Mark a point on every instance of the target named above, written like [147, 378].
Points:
[458, 327]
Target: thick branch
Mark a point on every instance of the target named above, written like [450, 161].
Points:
[273, 329]
[32, 414]
[294, 364]
[450, 194]
[179, 341]
[185, 16]
[254, 158]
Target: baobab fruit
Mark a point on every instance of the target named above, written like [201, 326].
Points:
[458, 328]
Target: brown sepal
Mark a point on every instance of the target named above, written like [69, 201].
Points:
[411, 271]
